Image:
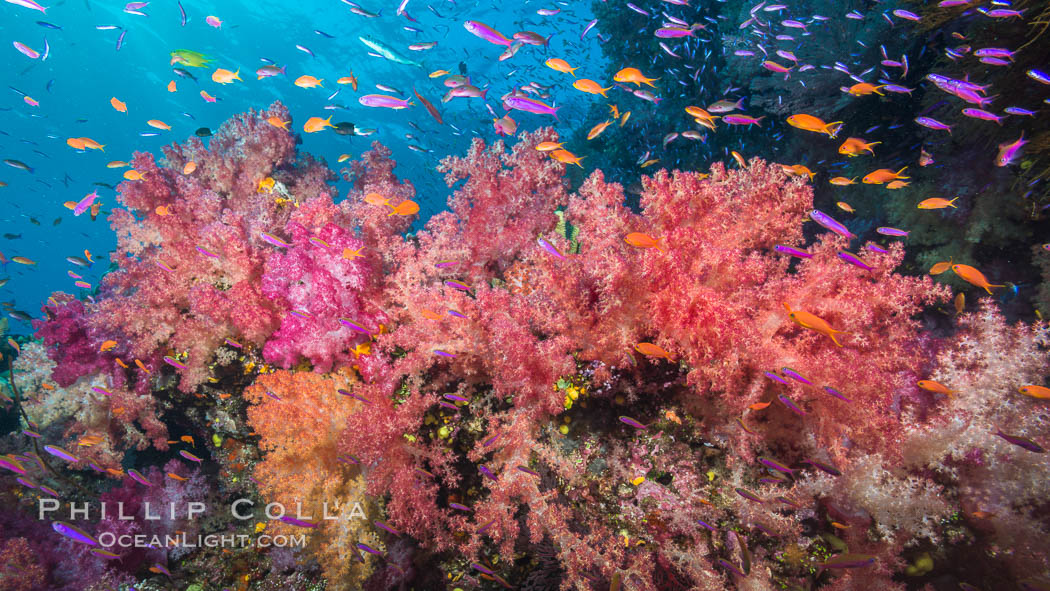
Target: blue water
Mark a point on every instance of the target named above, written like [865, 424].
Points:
[84, 70]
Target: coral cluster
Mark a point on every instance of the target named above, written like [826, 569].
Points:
[543, 387]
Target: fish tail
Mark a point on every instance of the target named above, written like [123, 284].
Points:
[758, 122]
[832, 129]
[831, 334]
[898, 173]
[989, 286]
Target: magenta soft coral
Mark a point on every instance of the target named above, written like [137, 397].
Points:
[196, 246]
[325, 277]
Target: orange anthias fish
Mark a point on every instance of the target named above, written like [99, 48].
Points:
[598, 129]
[845, 206]
[172, 87]
[118, 105]
[315, 124]
[225, 76]
[560, 65]
[106, 346]
[897, 184]
[634, 75]
[974, 277]
[590, 86]
[158, 124]
[548, 146]
[841, 181]
[639, 240]
[276, 122]
[814, 124]
[814, 323]
[940, 267]
[566, 157]
[189, 168]
[651, 350]
[883, 175]
[187, 439]
[864, 88]
[935, 387]
[937, 203]
[854, 146]
[1041, 392]
[376, 199]
[798, 170]
[406, 207]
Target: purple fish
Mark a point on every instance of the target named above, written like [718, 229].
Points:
[588, 28]
[443, 353]
[1014, 439]
[272, 395]
[1019, 111]
[12, 465]
[74, 533]
[529, 105]
[853, 260]
[789, 502]
[528, 471]
[550, 248]
[775, 377]
[907, 15]
[485, 527]
[794, 375]
[138, 477]
[206, 252]
[58, 452]
[32, 434]
[354, 326]
[274, 240]
[933, 124]
[456, 397]
[983, 115]
[876, 248]
[706, 525]
[673, 32]
[749, 495]
[824, 467]
[386, 527]
[887, 231]
[730, 567]
[791, 405]
[459, 507]
[632, 422]
[830, 223]
[490, 440]
[172, 362]
[101, 390]
[457, 314]
[298, 522]
[352, 395]
[49, 491]
[369, 549]
[836, 393]
[488, 473]
[486, 32]
[385, 101]
[638, 10]
[792, 251]
[481, 569]
[85, 203]
[1038, 76]
[771, 463]
[25, 482]
[190, 456]
[458, 285]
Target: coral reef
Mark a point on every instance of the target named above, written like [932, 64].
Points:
[543, 387]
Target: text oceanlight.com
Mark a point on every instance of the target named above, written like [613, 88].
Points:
[109, 540]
